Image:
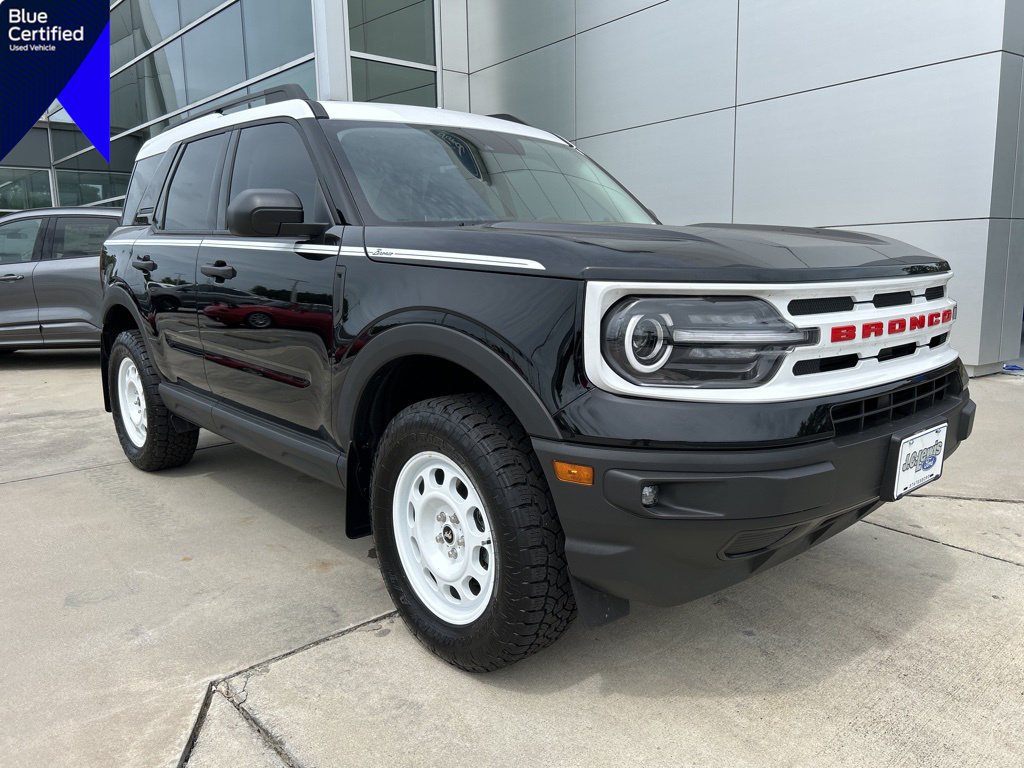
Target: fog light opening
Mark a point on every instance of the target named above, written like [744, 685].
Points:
[649, 495]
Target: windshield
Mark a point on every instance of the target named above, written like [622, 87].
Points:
[416, 174]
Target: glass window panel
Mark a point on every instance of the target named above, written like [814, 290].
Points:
[276, 32]
[405, 33]
[33, 150]
[376, 81]
[191, 200]
[140, 187]
[22, 188]
[214, 55]
[122, 158]
[67, 139]
[138, 25]
[274, 157]
[86, 187]
[148, 89]
[78, 237]
[303, 75]
[18, 240]
[193, 9]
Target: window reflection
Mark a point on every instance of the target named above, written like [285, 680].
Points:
[398, 29]
[376, 81]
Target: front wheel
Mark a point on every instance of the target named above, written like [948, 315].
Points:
[141, 419]
[466, 533]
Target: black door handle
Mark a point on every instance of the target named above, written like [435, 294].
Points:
[11, 278]
[219, 270]
[144, 264]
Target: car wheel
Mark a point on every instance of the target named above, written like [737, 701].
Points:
[466, 534]
[259, 320]
[142, 420]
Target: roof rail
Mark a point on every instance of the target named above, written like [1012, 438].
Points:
[511, 119]
[275, 95]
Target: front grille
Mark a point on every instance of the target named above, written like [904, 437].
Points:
[893, 299]
[935, 292]
[861, 415]
[825, 365]
[891, 353]
[821, 306]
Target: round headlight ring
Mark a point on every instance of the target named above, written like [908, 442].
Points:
[655, 342]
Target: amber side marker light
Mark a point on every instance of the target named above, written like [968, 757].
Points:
[574, 473]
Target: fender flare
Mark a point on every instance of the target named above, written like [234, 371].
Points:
[455, 347]
[116, 296]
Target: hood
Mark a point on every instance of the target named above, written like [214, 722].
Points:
[698, 253]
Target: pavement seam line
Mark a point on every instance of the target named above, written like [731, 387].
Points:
[264, 734]
[89, 469]
[964, 498]
[197, 726]
[944, 544]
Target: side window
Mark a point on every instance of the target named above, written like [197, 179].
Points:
[274, 157]
[18, 240]
[192, 198]
[80, 236]
[142, 191]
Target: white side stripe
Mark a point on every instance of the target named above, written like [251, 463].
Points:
[455, 258]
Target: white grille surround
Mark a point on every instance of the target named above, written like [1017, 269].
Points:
[785, 385]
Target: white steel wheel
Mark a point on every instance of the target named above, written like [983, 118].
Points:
[132, 401]
[443, 536]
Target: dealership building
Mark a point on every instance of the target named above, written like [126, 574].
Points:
[897, 117]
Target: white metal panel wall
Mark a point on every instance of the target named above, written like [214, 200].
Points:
[502, 29]
[671, 60]
[913, 146]
[657, 163]
[795, 45]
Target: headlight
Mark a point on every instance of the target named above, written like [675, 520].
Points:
[705, 341]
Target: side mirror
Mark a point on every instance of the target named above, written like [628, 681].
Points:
[270, 213]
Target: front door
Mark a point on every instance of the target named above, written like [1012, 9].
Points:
[20, 245]
[266, 315]
[166, 255]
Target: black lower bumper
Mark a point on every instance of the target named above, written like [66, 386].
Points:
[722, 515]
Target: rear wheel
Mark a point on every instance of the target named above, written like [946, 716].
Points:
[466, 533]
[259, 320]
[141, 419]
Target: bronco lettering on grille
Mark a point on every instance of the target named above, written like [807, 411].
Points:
[892, 327]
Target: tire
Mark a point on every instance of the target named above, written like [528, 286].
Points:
[142, 421]
[458, 475]
[259, 320]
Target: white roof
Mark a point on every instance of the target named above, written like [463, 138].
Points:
[342, 110]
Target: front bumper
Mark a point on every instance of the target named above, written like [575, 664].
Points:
[722, 515]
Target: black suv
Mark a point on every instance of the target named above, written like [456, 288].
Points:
[535, 397]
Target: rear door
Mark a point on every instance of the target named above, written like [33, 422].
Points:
[20, 246]
[67, 279]
[266, 315]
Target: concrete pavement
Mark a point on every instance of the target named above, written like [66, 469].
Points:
[899, 642]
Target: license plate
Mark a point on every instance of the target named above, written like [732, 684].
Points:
[920, 460]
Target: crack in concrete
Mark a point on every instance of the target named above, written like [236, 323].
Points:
[944, 544]
[222, 687]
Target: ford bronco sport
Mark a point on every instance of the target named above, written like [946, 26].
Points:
[535, 397]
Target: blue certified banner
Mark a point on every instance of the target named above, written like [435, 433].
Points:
[55, 49]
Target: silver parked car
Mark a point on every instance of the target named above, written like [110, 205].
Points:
[49, 277]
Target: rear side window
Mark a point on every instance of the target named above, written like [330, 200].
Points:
[18, 240]
[274, 157]
[192, 198]
[142, 191]
[81, 236]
